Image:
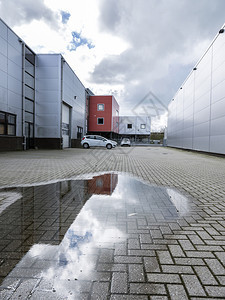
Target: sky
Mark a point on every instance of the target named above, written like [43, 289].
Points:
[140, 51]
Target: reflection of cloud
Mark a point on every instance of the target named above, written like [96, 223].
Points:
[179, 201]
[75, 258]
[7, 199]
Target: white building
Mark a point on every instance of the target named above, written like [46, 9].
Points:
[197, 113]
[42, 101]
[135, 127]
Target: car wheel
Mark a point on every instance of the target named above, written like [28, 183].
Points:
[85, 145]
[108, 146]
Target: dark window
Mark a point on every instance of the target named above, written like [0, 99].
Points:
[100, 121]
[100, 138]
[129, 126]
[29, 55]
[79, 132]
[7, 124]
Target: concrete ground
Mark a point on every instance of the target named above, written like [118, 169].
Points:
[189, 253]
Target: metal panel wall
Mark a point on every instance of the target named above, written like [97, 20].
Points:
[11, 74]
[48, 96]
[136, 123]
[197, 113]
[74, 96]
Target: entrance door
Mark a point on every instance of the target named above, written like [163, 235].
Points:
[65, 125]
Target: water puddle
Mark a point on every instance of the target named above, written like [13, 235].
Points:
[68, 238]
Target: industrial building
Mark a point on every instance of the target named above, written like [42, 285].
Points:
[196, 114]
[42, 101]
[137, 128]
[103, 116]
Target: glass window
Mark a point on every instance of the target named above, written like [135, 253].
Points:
[100, 138]
[2, 129]
[29, 80]
[11, 129]
[11, 119]
[29, 117]
[100, 121]
[2, 117]
[129, 126]
[101, 107]
[143, 126]
[29, 93]
[29, 106]
[29, 68]
[7, 124]
[29, 55]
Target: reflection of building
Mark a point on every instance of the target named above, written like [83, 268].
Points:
[137, 128]
[197, 113]
[103, 184]
[42, 215]
[103, 116]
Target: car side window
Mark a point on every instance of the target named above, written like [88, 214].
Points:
[100, 138]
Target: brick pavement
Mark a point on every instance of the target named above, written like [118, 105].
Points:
[182, 258]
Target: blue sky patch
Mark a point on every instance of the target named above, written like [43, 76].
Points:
[78, 41]
[65, 16]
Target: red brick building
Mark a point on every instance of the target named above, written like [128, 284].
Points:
[103, 116]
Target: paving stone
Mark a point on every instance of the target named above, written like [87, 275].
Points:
[193, 285]
[165, 257]
[151, 264]
[128, 297]
[177, 292]
[215, 266]
[136, 273]
[159, 298]
[205, 276]
[176, 250]
[189, 261]
[174, 269]
[215, 291]
[127, 259]
[147, 288]
[163, 278]
[100, 291]
[134, 244]
[119, 283]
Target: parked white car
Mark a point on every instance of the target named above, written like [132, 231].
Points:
[125, 142]
[97, 141]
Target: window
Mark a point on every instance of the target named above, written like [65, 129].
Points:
[100, 107]
[129, 126]
[79, 132]
[143, 126]
[100, 121]
[7, 124]
[117, 113]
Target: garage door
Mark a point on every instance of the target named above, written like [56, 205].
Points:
[65, 125]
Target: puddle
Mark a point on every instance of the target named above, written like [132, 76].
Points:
[65, 236]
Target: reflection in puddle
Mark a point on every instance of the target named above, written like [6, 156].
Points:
[64, 237]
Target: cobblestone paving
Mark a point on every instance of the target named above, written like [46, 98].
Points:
[182, 259]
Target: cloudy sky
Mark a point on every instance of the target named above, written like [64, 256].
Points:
[138, 50]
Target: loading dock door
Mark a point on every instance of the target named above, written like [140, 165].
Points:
[65, 125]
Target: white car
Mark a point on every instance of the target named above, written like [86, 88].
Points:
[97, 141]
[125, 142]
